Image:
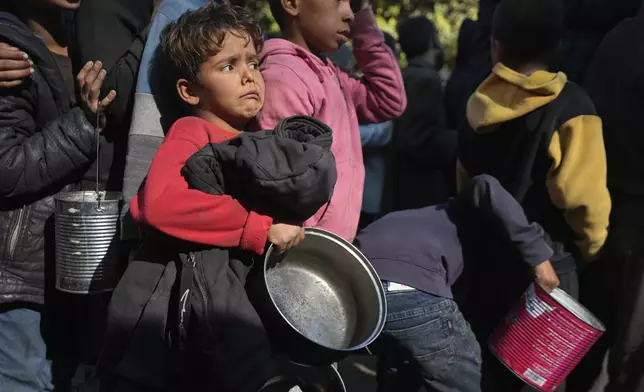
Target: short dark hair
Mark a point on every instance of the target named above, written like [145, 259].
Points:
[416, 36]
[528, 30]
[187, 42]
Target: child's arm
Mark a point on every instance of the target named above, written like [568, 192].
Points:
[485, 197]
[376, 135]
[380, 94]
[577, 181]
[167, 204]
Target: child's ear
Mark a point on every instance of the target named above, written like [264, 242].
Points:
[187, 93]
[291, 7]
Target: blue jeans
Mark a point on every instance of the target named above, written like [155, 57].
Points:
[426, 341]
[24, 366]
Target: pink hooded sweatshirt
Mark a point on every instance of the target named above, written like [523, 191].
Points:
[300, 83]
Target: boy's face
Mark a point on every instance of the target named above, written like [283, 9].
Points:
[324, 24]
[230, 91]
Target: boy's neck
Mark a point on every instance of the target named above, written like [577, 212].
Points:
[49, 27]
[218, 122]
[295, 36]
[528, 69]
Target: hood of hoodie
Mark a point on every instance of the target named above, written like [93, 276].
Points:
[507, 94]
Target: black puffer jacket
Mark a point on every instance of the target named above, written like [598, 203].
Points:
[291, 189]
[44, 148]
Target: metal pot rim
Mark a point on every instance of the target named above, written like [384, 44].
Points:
[373, 275]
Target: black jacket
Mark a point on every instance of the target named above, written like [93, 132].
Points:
[114, 32]
[45, 146]
[171, 282]
[249, 167]
[422, 152]
[615, 83]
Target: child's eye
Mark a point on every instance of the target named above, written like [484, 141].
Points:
[227, 68]
[254, 65]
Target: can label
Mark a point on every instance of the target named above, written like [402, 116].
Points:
[535, 305]
[541, 341]
[534, 377]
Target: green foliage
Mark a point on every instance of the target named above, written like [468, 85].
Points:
[262, 12]
[447, 15]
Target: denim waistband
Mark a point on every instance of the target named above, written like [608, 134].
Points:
[393, 287]
[404, 305]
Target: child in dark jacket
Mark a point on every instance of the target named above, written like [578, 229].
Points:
[420, 255]
[46, 145]
[613, 287]
[422, 152]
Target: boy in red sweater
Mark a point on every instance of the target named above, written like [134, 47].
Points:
[212, 56]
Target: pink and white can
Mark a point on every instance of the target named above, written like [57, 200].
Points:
[544, 337]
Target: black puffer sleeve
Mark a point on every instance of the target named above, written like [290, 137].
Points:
[33, 159]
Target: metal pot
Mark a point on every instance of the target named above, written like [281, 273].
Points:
[320, 301]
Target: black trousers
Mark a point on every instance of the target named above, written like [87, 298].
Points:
[613, 289]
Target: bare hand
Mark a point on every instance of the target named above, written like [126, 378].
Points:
[285, 236]
[90, 80]
[15, 66]
[546, 277]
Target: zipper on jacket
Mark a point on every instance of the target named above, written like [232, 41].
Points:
[15, 233]
[202, 291]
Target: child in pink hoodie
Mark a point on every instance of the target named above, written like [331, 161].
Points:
[300, 81]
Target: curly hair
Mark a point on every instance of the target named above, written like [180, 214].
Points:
[187, 42]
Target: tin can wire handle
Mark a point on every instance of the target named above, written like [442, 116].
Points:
[97, 140]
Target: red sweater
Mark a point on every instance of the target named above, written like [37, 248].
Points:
[166, 203]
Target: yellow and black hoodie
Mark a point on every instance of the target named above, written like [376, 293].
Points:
[540, 136]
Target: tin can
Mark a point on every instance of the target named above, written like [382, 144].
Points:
[87, 242]
[544, 337]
